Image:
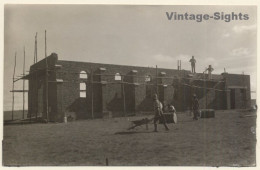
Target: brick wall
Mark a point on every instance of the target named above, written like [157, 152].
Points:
[241, 85]
[108, 94]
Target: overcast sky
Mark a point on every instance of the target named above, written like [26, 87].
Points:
[129, 35]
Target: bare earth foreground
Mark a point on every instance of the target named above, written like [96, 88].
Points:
[229, 139]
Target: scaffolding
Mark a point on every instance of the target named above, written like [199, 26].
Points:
[23, 91]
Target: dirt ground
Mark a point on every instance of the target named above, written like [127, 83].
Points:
[229, 139]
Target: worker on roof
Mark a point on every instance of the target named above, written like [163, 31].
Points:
[158, 113]
[193, 61]
[210, 69]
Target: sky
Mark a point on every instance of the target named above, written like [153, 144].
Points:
[129, 35]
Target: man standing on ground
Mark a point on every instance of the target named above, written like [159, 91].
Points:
[195, 107]
[172, 110]
[193, 61]
[158, 113]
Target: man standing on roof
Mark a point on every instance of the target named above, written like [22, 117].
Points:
[210, 69]
[158, 113]
[192, 61]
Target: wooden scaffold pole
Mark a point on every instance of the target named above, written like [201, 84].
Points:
[244, 92]
[23, 79]
[47, 90]
[156, 78]
[35, 49]
[36, 60]
[123, 88]
[92, 95]
[13, 87]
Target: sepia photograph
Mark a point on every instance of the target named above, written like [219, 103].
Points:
[129, 85]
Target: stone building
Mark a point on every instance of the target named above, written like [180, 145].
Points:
[87, 90]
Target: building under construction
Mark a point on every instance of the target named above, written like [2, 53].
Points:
[59, 88]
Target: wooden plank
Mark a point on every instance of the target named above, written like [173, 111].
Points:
[13, 91]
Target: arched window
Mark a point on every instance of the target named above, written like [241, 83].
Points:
[82, 88]
[117, 76]
[147, 78]
[83, 75]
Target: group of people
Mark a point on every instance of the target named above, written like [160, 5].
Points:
[158, 110]
[209, 69]
[158, 107]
